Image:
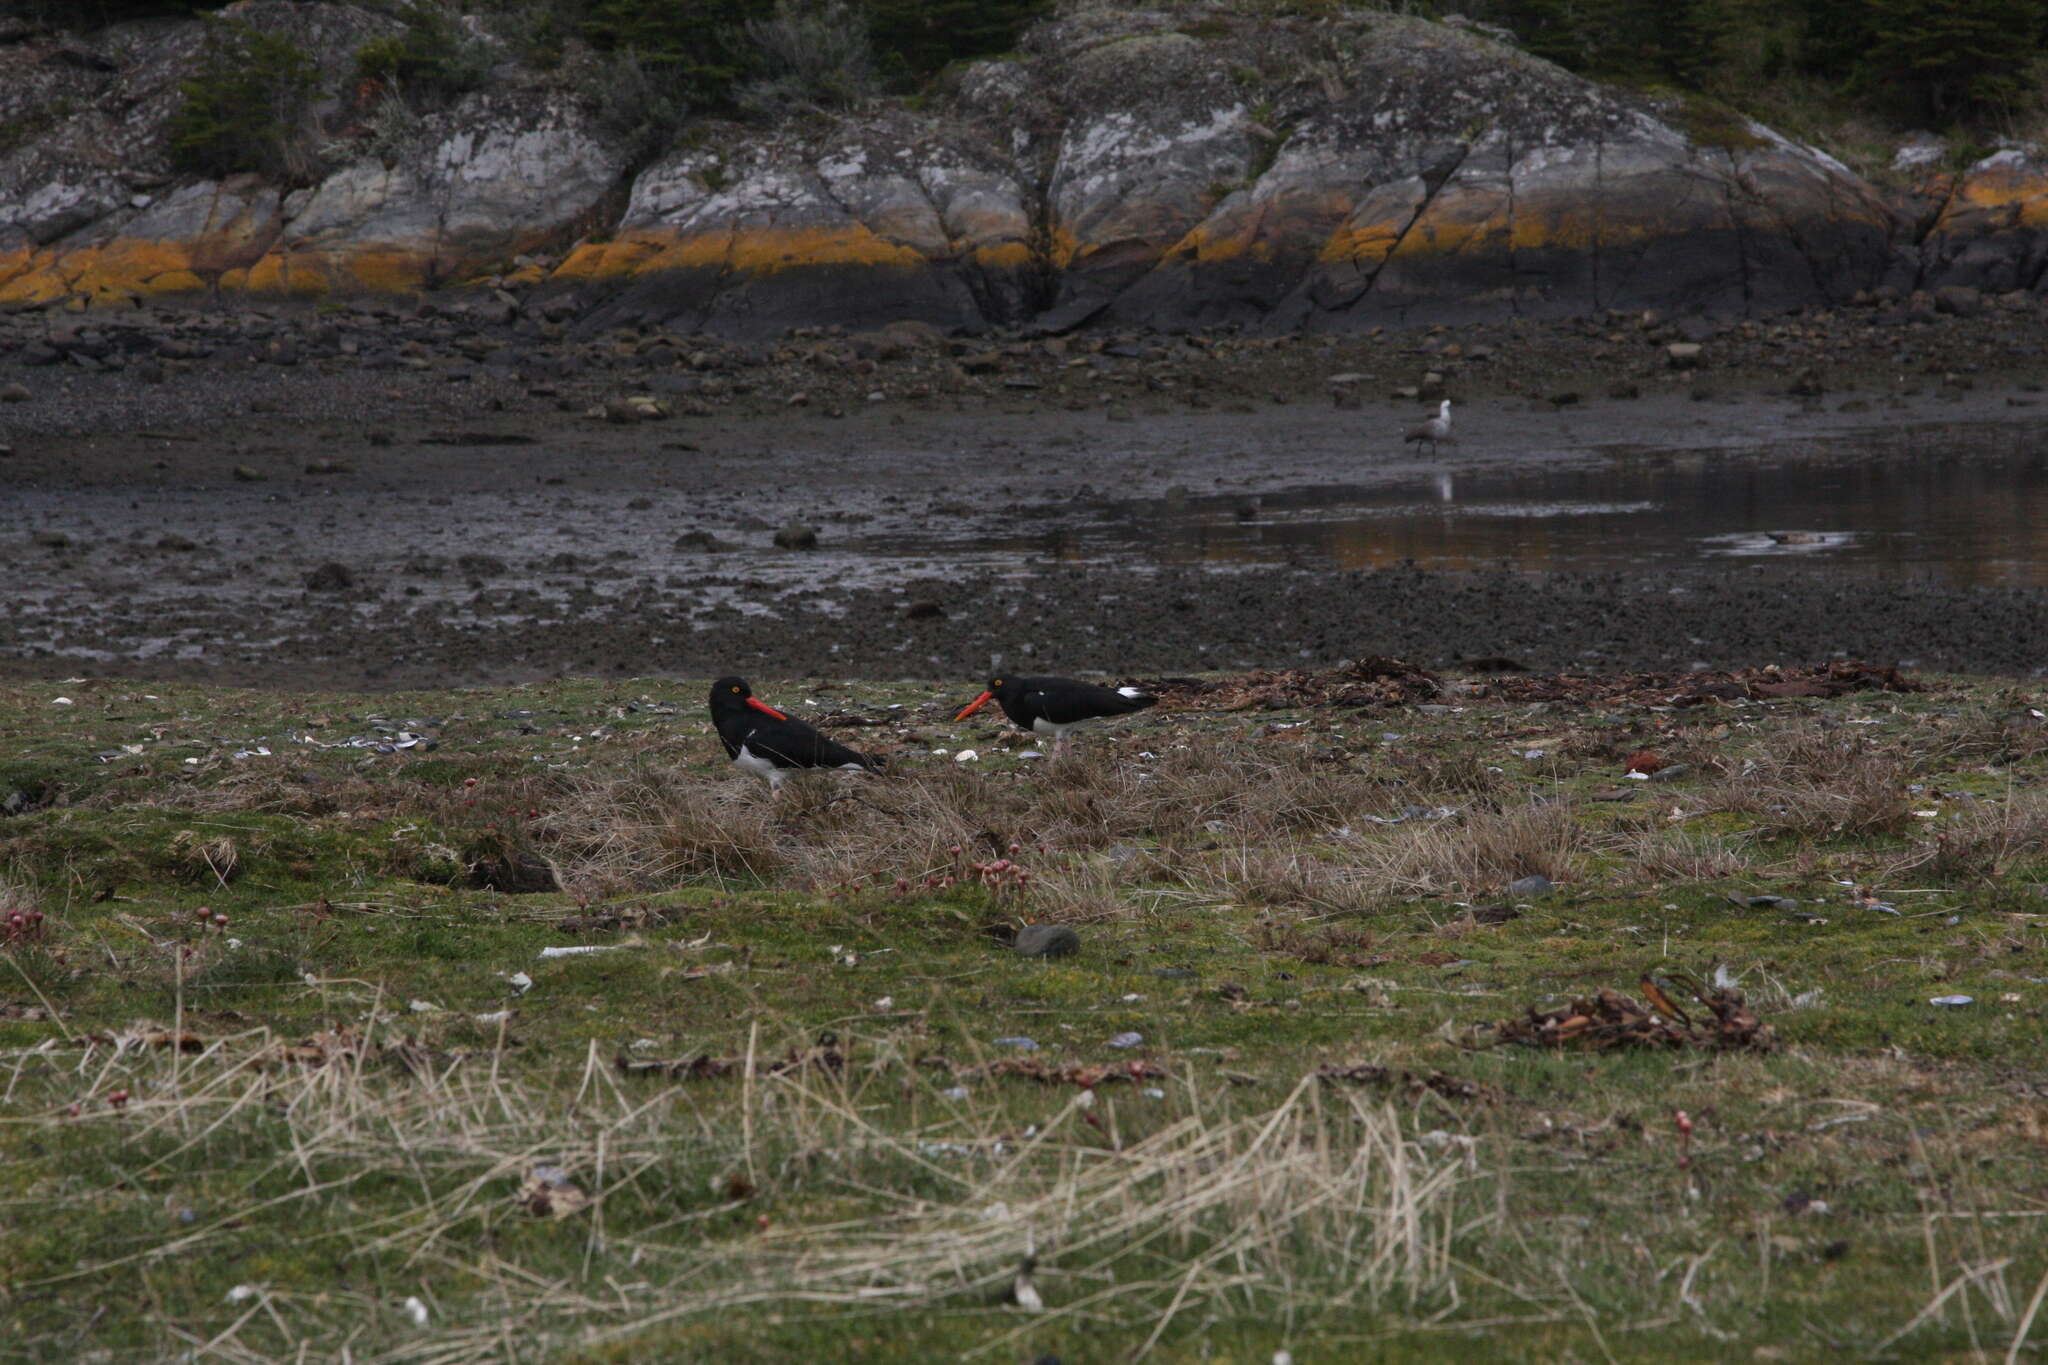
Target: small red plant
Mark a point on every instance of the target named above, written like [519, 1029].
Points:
[23, 926]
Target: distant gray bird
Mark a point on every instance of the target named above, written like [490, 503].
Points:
[1437, 428]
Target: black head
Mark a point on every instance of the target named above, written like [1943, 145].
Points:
[730, 695]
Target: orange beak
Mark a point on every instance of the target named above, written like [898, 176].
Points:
[760, 705]
[975, 705]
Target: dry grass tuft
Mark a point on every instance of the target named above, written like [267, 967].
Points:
[1817, 784]
[1677, 855]
[1143, 1213]
[196, 857]
[1987, 842]
[653, 826]
[1483, 851]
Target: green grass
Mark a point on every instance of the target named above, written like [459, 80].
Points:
[365, 1089]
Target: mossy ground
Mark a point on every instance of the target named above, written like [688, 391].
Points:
[1875, 1186]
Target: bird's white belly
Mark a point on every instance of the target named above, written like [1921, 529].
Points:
[1040, 725]
[759, 765]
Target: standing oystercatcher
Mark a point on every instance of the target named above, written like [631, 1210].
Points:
[1055, 706]
[765, 742]
[1437, 428]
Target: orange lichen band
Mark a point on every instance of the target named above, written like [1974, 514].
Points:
[246, 256]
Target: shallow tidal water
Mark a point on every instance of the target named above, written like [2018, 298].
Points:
[1961, 505]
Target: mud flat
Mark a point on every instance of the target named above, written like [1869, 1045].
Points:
[425, 496]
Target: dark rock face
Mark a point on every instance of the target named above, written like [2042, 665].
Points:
[1422, 174]
[1990, 229]
[1130, 166]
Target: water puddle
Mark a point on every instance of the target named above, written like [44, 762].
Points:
[1881, 506]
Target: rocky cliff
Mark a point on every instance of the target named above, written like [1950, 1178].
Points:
[1178, 168]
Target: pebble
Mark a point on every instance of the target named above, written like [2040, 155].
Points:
[702, 540]
[795, 535]
[14, 393]
[1532, 886]
[330, 577]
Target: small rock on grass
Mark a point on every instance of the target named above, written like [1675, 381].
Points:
[14, 393]
[1046, 940]
[1532, 886]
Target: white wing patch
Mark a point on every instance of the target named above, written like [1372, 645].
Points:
[1129, 692]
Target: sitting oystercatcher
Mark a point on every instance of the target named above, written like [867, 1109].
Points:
[765, 742]
[1055, 706]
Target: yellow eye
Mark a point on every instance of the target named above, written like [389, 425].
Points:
[999, 682]
[735, 689]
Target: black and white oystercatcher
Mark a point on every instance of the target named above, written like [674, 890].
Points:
[769, 744]
[1055, 706]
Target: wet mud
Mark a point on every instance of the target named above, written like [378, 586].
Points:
[450, 523]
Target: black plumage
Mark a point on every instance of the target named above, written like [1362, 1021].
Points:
[768, 743]
[1055, 706]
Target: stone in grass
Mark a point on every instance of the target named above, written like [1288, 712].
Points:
[1531, 887]
[1046, 940]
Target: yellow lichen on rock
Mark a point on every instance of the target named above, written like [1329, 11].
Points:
[761, 251]
[2021, 191]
